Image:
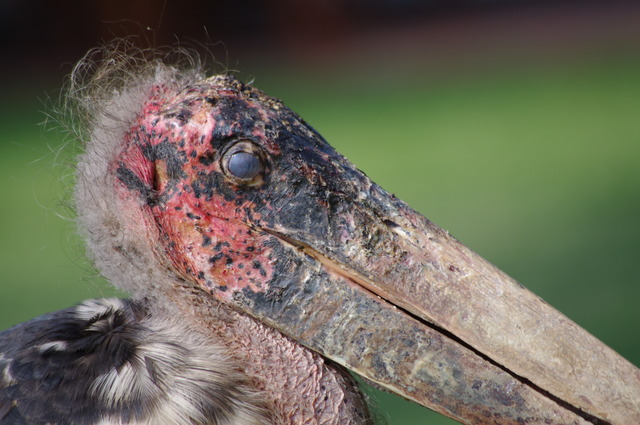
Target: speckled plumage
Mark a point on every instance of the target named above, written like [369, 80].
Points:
[110, 361]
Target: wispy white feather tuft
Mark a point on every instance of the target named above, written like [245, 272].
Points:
[106, 93]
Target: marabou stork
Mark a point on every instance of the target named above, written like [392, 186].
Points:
[263, 265]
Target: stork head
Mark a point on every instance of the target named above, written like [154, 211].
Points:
[210, 186]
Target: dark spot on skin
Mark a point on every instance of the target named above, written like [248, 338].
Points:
[258, 266]
[206, 240]
[216, 257]
[229, 261]
[205, 159]
[249, 212]
[241, 266]
[453, 268]
[251, 248]
[476, 385]
[193, 216]
[133, 182]
[219, 245]
[223, 288]
[193, 154]
[211, 100]
[201, 275]
[184, 115]
[197, 189]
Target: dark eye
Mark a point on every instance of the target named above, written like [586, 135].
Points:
[245, 163]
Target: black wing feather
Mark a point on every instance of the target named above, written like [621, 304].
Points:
[47, 365]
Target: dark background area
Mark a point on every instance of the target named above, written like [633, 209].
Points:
[42, 38]
[513, 124]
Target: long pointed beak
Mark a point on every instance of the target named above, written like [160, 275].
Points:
[402, 303]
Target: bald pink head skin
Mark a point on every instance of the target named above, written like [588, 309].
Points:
[236, 236]
[193, 206]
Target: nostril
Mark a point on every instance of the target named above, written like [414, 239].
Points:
[391, 224]
[397, 229]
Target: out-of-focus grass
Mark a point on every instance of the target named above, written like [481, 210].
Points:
[537, 171]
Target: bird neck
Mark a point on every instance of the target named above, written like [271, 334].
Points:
[301, 387]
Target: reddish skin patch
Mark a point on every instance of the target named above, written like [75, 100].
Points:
[205, 239]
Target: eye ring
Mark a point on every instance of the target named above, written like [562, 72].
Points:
[245, 163]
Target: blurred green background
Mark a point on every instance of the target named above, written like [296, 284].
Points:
[516, 129]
